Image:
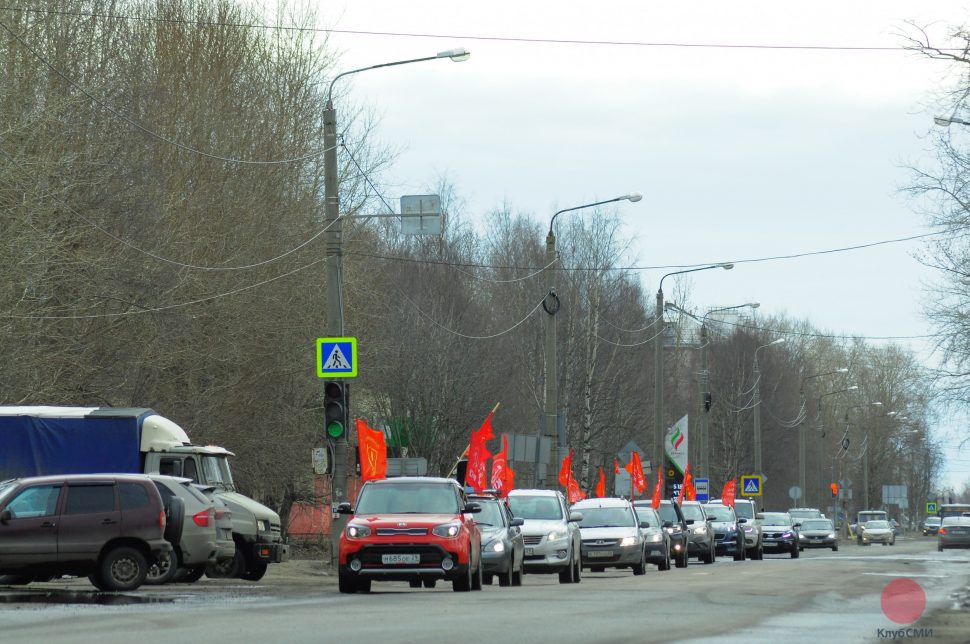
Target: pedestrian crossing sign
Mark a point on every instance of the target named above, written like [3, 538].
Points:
[931, 507]
[336, 357]
[751, 485]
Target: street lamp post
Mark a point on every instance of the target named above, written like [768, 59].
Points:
[335, 314]
[865, 453]
[658, 371]
[551, 303]
[757, 406]
[801, 429]
[820, 434]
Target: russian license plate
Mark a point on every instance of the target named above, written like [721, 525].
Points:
[816, 539]
[400, 559]
[529, 552]
[599, 553]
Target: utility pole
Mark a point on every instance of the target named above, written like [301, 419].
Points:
[658, 391]
[704, 384]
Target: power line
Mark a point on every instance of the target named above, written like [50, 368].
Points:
[462, 335]
[127, 119]
[529, 40]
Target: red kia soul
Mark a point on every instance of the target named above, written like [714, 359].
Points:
[414, 529]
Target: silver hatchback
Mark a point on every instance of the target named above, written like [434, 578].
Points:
[550, 532]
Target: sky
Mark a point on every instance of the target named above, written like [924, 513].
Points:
[739, 152]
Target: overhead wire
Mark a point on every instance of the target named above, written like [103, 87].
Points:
[462, 335]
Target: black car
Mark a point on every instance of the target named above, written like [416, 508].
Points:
[728, 530]
[780, 533]
[503, 548]
[655, 535]
[670, 512]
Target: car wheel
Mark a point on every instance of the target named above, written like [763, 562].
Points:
[164, 569]
[709, 558]
[835, 548]
[414, 583]
[430, 583]
[228, 569]
[939, 547]
[477, 579]
[596, 569]
[739, 549]
[680, 560]
[505, 578]
[517, 576]
[893, 542]
[794, 552]
[487, 579]
[345, 583]
[363, 585]
[566, 574]
[464, 583]
[189, 575]
[640, 568]
[255, 570]
[578, 571]
[174, 520]
[122, 568]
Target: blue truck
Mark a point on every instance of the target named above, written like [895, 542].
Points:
[39, 440]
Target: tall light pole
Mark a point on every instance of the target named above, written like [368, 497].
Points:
[703, 381]
[658, 372]
[757, 406]
[801, 428]
[865, 451]
[550, 407]
[335, 296]
[820, 432]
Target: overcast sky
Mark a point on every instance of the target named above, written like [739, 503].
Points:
[739, 152]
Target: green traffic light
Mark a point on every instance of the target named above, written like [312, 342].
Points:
[335, 429]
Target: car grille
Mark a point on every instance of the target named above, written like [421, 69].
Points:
[600, 542]
[774, 535]
[397, 532]
[532, 540]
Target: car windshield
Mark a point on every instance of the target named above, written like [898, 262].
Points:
[491, 513]
[606, 517]
[817, 524]
[932, 520]
[668, 513]
[720, 512]
[776, 518]
[948, 521]
[871, 516]
[878, 525]
[804, 514]
[692, 512]
[647, 515]
[544, 508]
[744, 511]
[216, 470]
[408, 498]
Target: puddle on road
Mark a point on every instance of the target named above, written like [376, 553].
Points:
[74, 597]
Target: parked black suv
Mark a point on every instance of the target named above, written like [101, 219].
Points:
[109, 527]
[670, 511]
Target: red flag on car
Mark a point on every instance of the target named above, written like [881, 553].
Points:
[637, 481]
[727, 495]
[687, 489]
[657, 491]
[573, 492]
[566, 470]
[601, 484]
[476, 472]
[616, 466]
[503, 478]
[373, 452]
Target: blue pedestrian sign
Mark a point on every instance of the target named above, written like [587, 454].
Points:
[931, 507]
[702, 490]
[751, 485]
[336, 357]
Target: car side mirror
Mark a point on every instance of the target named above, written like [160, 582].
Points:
[710, 519]
[689, 522]
[798, 525]
[345, 508]
[668, 524]
[644, 524]
[472, 508]
[5, 516]
[516, 522]
[575, 517]
[742, 520]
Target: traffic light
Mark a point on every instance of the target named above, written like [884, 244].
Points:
[835, 489]
[707, 401]
[336, 406]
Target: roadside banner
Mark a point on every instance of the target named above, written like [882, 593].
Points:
[675, 444]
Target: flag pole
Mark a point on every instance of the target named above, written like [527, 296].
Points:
[454, 469]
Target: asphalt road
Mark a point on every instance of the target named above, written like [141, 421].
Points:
[822, 596]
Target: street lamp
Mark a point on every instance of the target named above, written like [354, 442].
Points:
[551, 306]
[801, 428]
[703, 380]
[757, 406]
[334, 237]
[658, 371]
[946, 121]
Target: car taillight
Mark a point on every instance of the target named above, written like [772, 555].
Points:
[201, 519]
[161, 520]
[942, 530]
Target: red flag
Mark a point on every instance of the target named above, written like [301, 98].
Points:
[573, 493]
[503, 478]
[373, 452]
[657, 491]
[601, 484]
[687, 489]
[566, 471]
[727, 495]
[476, 473]
[635, 469]
[616, 466]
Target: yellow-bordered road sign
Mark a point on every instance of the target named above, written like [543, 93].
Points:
[931, 507]
[751, 485]
[337, 357]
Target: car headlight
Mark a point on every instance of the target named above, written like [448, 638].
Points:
[357, 531]
[831, 535]
[674, 529]
[556, 535]
[748, 529]
[628, 541]
[732, 528]
[496, 546]
[786, 535]
[655, 538]
[801, 536]
[447, 530]
[698, 530]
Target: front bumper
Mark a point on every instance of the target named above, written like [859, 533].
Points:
[779, 543]
[727, 543]
[656, 552]
[271, 552]
[493, 562]
[817, 542]
[877, 538]
[432, 562]
[699, 545]
[609, 556]
[545, 556]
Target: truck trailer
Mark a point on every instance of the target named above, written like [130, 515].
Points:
[39, 440]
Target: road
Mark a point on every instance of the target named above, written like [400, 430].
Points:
[822, 596]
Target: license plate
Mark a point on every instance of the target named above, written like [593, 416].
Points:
[816, 539]
[400, 559]
[599, 553]
[529, 552]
